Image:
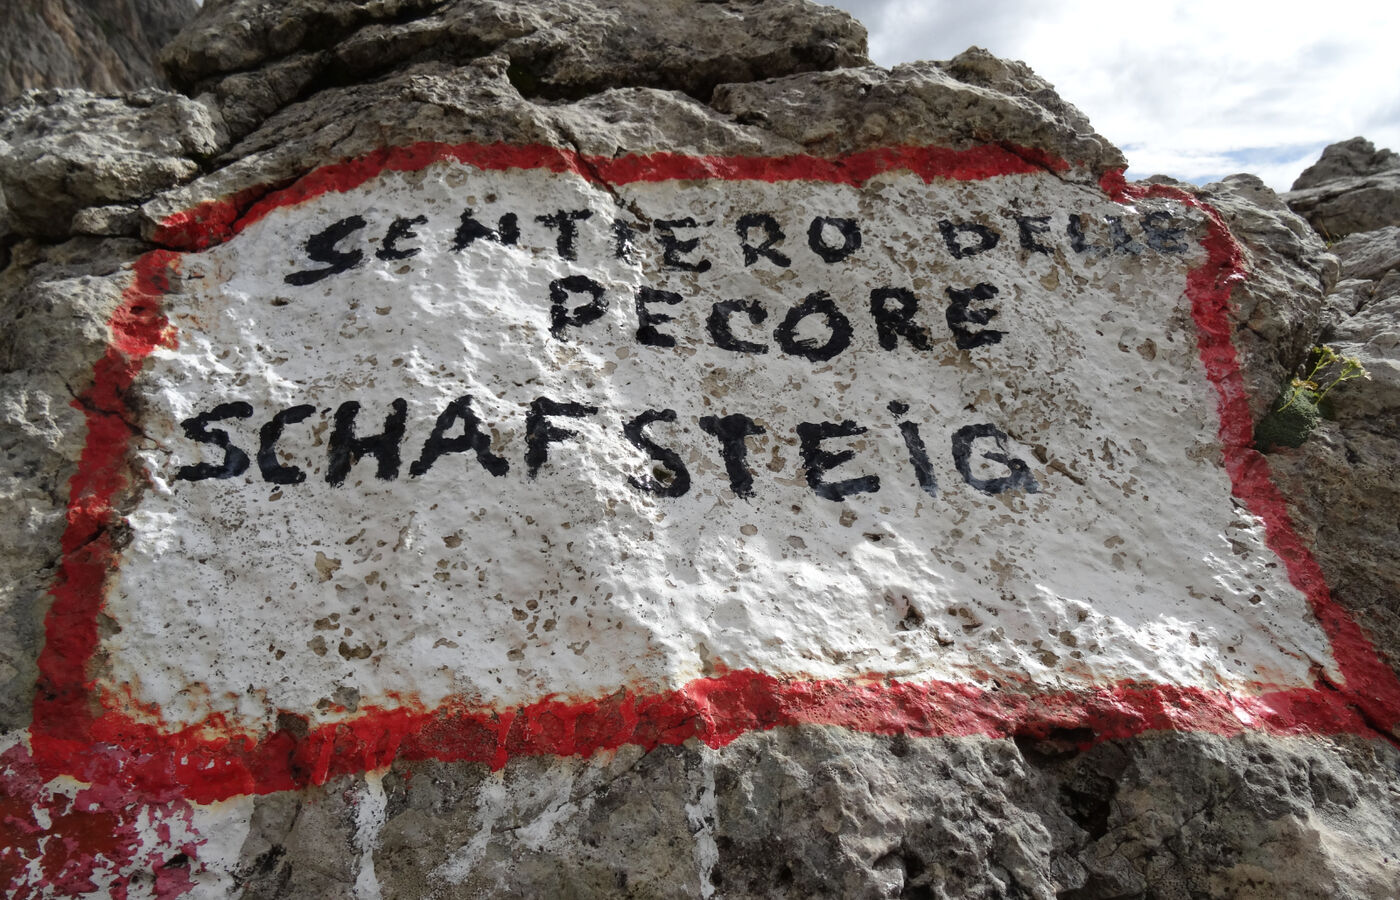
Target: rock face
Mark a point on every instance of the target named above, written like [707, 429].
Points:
[643, 449]
[1356, 158]
[1352, 188]
[82, 171]
[257, 57]
[1343, 468]
[102, 45]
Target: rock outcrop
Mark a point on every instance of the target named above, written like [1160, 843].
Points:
[259, 57]
[1352, 188]
[1036, 770]
[1340, 478]
[75, 163]
[1356, 158]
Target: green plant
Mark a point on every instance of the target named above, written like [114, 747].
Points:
[1316, 385]
[1298, 408]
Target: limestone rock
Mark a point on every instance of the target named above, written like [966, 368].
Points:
[953, 103]
[1280, 304]
[101, 45]
[830, 113]
[1339, 479]
[1347, 297]
[1373, 334]
[1347, 159]
[257, 56]
[440, 103]
[1348, 205]
[1341, 483]
[108, 221]
[1369, 255]
[6, 229]
[56, 302]
[826, 813]
[67, 150]
[1197, 816]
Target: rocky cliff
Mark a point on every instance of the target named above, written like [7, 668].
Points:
[105, 46]
[1336, 478]
[644, 449]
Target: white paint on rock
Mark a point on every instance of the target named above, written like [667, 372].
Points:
[222, 829]
[492, 802]
[371, 808]
[1131, 562]
[703, 815]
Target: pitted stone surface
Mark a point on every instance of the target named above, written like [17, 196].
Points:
[1161, 816]
[1050, 537]
[73, 287]
[63, 151]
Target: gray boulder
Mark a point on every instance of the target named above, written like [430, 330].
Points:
[1347, 159]
[256, 56]
[1348, 205]
[1352, 188]
[1340, 479]
[64, 151]
[952, 103]
[1369, 255]
[1280, 304]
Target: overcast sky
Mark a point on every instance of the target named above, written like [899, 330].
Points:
[1196, 90]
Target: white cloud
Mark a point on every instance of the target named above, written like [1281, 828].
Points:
[1193, 89]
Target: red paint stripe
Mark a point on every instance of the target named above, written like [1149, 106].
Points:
[207, 763]
[62, 703]
[216, 221]
[190, 764]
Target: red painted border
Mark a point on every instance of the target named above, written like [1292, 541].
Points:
[218, 220]
[72, 734]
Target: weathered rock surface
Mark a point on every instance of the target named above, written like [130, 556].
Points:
[1339, 208]
[101, 45]
[1347, 159]
[67, 152]
[953, 103]
[826, 813]
[1339, 478]
[258, 56]
[42, 369]
[1369, 255]
[1354, 187]
[441, 103]
[1280, 304]
[802, 810]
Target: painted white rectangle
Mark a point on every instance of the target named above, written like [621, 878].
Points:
[1127, 560]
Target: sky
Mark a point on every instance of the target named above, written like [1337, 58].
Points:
[1195, 90]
